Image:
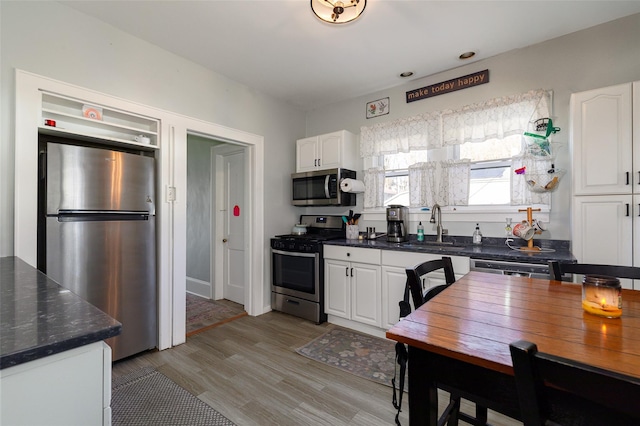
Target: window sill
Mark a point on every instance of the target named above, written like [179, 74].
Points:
[464, 213]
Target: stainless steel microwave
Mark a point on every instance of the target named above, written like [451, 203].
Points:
[322, 188]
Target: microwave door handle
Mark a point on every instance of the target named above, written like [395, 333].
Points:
[326, 186]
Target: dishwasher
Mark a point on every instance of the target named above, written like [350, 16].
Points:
[519, 269]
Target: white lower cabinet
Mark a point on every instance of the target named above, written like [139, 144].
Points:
[352, 284]
[68, 388]
[394, 279]
[365, 285]
[604, 230]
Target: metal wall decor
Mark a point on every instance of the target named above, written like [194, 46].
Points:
[377, 108]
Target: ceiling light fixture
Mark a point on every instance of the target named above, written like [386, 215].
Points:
[338, 12]
[467, 55]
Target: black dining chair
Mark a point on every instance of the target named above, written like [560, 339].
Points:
[415, 274]
[452, 413]
[557, 270]
[558, 391]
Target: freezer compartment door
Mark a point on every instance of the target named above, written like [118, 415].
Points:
[83, 178]
[111, 264]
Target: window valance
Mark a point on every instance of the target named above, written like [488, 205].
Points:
[495, 118]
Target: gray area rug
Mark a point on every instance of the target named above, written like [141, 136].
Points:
[366, 356]
[147, 397]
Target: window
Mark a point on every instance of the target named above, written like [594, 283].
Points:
[396, 180]
[490, 175]
[455, 157]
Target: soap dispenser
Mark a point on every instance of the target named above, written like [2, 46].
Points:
[420, 232]
[477, 235]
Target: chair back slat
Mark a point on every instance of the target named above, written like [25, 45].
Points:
[415, 273]
[552, 388]
[557, 269]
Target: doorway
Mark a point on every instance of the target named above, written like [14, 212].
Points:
[216, 223]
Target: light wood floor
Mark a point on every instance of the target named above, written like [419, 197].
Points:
[248, 370]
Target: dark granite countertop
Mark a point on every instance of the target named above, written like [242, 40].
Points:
[490, 249]
[40, 318]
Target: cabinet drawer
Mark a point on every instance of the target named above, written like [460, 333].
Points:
[352, 254]
[404, 259]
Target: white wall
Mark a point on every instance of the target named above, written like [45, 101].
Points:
[597, 57]
[199, 207]
[52, 40]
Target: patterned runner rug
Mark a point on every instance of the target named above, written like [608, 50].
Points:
[148, 397]
[204, 314]
[366, 356]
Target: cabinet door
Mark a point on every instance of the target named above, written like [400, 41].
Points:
[636, 140]
[602, 230]
[330, 150]
[394, 280]
[337, 281]
[306, 154]
[365, 294]
[601, 136]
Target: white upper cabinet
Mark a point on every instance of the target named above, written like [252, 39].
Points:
[606, 176]
[602, 141]
[328, 151]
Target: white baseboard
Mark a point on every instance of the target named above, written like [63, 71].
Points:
[358, 326]
[199, 287]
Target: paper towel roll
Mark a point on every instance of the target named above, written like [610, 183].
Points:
[352, 185]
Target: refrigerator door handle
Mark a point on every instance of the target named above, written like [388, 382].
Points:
[109, 212]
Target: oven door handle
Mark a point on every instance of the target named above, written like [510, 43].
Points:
[293, 253]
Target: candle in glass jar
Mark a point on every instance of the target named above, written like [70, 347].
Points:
[602, 295]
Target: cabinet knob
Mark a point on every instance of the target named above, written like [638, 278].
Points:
[224, 240]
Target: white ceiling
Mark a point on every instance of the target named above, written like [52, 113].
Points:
[282, 49]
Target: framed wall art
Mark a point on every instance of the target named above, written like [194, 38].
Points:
[377, 108]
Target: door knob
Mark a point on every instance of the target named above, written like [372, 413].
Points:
[224, 240]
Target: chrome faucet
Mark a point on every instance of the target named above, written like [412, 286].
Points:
[438, 222]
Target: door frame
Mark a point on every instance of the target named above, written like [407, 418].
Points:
[217, 218]
[171, 223]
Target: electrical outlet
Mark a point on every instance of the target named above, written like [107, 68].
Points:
[171, 193]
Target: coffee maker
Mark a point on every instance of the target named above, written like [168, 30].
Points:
[397, 223]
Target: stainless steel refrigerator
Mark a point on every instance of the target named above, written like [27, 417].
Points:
[98, 235]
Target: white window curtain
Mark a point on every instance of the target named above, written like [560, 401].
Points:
[442, 182]
[422, 131]
[495, 118]
[374, 187]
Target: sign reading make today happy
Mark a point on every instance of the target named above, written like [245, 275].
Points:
[475, 79]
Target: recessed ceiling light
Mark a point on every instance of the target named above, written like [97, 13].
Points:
[467, 55]
[406, 74]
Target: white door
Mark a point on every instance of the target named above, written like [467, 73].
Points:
[337, 288]
[365, 293]
[231, 212]
[602, 230]
[601, 126]
[330, 150]
[306, 154]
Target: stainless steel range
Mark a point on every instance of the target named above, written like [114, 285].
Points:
[297, 284]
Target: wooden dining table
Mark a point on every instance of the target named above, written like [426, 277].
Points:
[460, 339]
